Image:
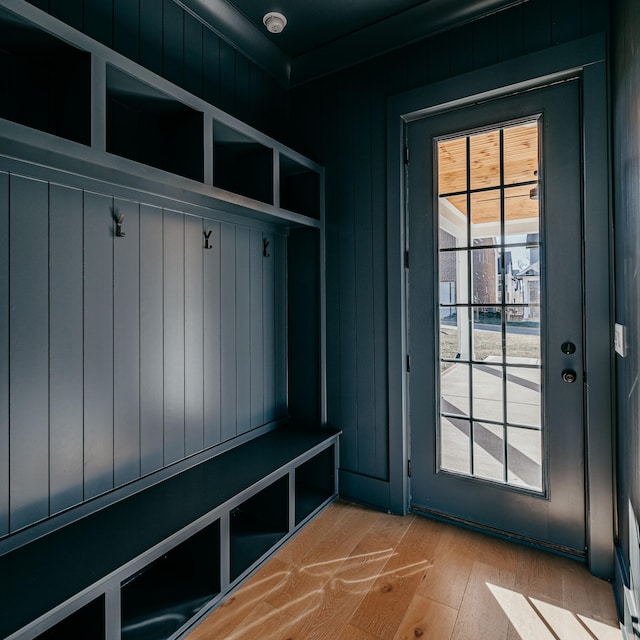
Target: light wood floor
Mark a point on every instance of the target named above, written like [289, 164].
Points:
[356, 574]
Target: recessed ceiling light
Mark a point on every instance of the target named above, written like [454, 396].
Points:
[274, 21]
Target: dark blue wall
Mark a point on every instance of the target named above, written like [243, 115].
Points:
[341, 121]
[626, 171]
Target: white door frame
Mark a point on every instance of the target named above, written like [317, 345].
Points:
[584, 59]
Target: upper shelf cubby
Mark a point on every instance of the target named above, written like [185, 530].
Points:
[299, 187]
[241, 164]
[45, 83]
[145, 125]
[138, 128]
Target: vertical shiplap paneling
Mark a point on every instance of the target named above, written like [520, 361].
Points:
[510, 33]
[243, 89]
[330, 155]
[595, 16]
[98, 344]
[566, 20]
[280, 321]
[151, 340]
[126, 28]
[269, 347]
[211, 66]
[418, 71]
[461, 50]
[65, 347]
[256, 107]
[348, 296]
[228, 330]
[126, 346]
[379, 249]
[243, 330]
[537, 25]
[151, 35]
[227, 92]
[212, 381]
[173, 42]
[193, 74]
[98, 20]
[193, 336]
[439, 57]
[485, 42]
[29, 353]
[257, 329]
[4, 353]
[365, 382]
[173, 287]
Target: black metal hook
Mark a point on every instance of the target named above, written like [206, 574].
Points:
[119, 218]
[207, 235]
[265, 248]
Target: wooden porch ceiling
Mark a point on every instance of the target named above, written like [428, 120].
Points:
[520, 165]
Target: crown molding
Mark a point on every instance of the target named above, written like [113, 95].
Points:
[402, 29]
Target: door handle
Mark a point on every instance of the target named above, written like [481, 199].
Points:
[569, 376]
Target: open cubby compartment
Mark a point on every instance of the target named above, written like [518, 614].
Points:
[314, 483]
[86, 622]
[148, 126]
[45, 83]
[258, 524]
[168, 592]
[299, 188]
[242, 165]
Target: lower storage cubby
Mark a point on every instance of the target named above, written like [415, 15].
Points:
[86, 622]
[162, 597]
[315, 483]
[258, 524]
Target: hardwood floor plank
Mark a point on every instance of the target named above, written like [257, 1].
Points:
[426, 619]
[357, 574]
[446, 580]
[239, 605]
[386, 603]
[353, 633]
[481, 614]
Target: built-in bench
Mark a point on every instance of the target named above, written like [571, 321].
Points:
[151, 564]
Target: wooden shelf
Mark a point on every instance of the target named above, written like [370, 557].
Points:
[150, 127]
[167, 593]
[162, 517]
[80, 91]
[86, 622]
[257, 525]
[299, 187]
[45, 83]
[314, 483]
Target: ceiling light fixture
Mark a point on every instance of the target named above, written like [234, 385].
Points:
[274, 21]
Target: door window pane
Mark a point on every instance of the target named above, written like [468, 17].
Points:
[487, 393]
[525, 458]
[454, 390]
[488, 451]
[487, 334]
[490, 295]
[455, 453]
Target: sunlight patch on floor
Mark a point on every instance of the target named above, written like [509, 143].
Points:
[535, 619]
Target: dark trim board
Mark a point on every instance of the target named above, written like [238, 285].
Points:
[354, 485]
[585, 59]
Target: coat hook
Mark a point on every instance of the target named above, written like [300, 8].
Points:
[207, 235]
[119, 218]
[265, 248]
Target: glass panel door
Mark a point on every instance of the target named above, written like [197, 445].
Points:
[490, 422]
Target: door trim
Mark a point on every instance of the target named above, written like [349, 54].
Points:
[584, 59]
